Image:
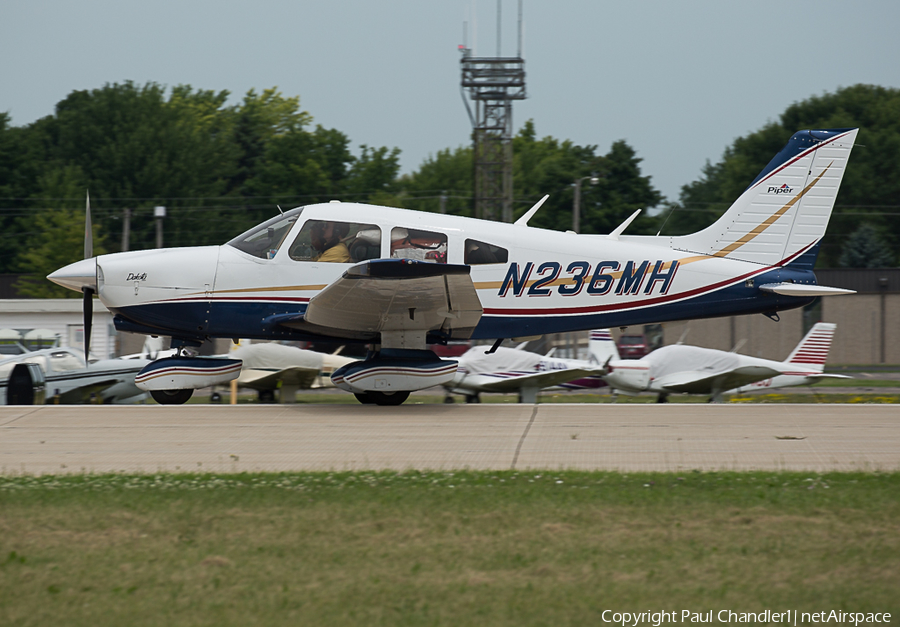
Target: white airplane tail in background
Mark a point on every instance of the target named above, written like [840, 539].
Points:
[602, 346]
[781, 217]
[812, 351]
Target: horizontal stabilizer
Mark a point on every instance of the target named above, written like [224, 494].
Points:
[803, 290]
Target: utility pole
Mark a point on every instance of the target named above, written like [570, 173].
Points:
[159, 213]
[126, 229]
[576, 203]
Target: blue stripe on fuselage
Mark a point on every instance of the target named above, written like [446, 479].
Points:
[252, 320]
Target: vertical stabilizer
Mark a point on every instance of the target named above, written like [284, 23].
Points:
[812, 351]
[782, 216]
[602, 346]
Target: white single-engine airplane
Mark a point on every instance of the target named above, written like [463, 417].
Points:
[70, 379]
[400, 279]
[683, 369]
[266, 365]
[526, 373]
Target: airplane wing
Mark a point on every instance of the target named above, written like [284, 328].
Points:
[82, 393]
[544, 379]
[260, 379]
[704, 382]
[394, 295]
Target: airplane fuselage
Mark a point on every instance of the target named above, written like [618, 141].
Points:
[549, 282]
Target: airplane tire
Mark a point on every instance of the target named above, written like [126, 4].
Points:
[267, 396]
[363, 397]
[382, 398]
[171, 397]
[449, 400]
[473, 398]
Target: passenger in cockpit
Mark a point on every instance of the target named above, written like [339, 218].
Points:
[326, 239]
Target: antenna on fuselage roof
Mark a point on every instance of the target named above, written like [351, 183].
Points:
[279, 209]
[523, 221]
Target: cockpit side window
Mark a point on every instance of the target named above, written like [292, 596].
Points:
[265, 239]
[333, 241]
[481, 253]
[417, 244]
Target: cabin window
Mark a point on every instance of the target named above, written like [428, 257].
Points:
[333, 241]
[481, 252]
[420, 245]
[265, 239]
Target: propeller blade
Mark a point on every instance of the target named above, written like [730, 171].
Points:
[88, 309]
[87, 304]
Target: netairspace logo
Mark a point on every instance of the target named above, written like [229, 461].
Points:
[784, 189]
[789, 617]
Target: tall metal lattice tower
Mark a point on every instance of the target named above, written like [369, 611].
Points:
[493, 83]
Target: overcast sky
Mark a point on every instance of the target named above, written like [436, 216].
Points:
[678, 80]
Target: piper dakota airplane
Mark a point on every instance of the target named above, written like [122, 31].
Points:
[400, 280]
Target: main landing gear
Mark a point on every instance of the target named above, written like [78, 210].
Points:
[381, 398]
[171, 397]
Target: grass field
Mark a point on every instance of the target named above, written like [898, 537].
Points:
[463, 548]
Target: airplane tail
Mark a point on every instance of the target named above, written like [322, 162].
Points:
[812, 351]
[602, 346]
[781, 217]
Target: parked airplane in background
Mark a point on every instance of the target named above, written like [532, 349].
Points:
[400, 279]
[526, 373]
[68, 379]
[267, 364]
[682, 369]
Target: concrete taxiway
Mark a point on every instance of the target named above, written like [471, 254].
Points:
[246, 438]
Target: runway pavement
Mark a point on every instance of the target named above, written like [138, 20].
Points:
[673, 437]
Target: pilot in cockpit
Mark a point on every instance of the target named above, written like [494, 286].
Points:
[326, 240]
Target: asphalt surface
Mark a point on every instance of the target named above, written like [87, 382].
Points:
[240, 438]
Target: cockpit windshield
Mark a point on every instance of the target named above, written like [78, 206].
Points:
[264, 240]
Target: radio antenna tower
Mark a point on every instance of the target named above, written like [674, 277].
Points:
[492, 84]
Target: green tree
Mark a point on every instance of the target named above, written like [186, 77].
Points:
[447, 173]
[373, 175]
[54, 236]
[550, 166]
[865, 249]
